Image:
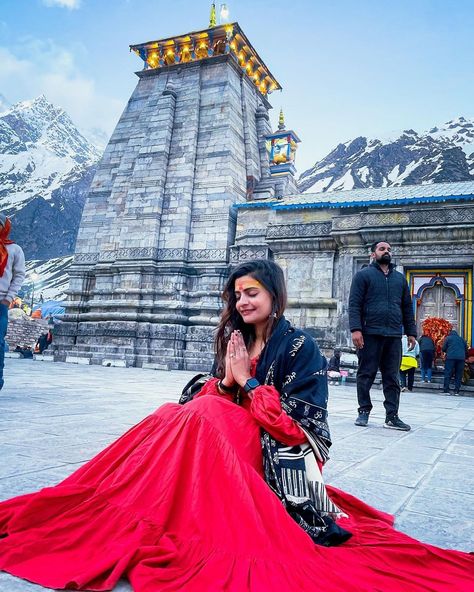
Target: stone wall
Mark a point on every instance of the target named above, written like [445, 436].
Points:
[320, 250]
[152, 250]
[23, 330]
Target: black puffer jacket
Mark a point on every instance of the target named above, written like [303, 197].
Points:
[380, 304]
[455, 347]
[426, 343]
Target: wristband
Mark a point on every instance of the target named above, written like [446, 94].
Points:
[251, 384]
[225, 390]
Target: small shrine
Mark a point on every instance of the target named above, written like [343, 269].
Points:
[281, 148]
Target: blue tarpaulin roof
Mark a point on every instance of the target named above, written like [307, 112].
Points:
[51, 308]
[383, 196]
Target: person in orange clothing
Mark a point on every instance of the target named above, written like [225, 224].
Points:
[12, 274]
[15, 303]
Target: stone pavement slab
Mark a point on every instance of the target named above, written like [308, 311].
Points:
[54, 417]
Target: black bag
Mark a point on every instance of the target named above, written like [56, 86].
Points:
[193, 387]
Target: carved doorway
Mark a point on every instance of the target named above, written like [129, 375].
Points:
[439, 301]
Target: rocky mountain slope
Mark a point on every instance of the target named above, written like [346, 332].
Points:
[46, 167]
[442, 154]
[49, 279]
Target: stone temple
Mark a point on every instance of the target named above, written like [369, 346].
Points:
[193, 181]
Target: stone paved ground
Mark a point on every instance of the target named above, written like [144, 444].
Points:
[54, 417]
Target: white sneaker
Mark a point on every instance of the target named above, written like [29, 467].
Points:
[331, 382]
[403, 389]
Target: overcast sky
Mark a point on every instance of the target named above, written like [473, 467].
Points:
[347, 68]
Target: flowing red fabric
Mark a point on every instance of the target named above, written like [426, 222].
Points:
[179, 503]
[4, 240]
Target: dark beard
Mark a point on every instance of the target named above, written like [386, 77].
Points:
[386, 258]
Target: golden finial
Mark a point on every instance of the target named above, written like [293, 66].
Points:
[281, 121]
[212, 20]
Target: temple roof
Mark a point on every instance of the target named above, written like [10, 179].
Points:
[379, 196]
[206, 44]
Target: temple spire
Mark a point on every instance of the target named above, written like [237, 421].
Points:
[212, 19]
[281, 147]
[281, 121]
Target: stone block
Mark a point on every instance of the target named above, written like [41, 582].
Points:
[152, 366]
[113, 362]
[77, 360]
[44, 357]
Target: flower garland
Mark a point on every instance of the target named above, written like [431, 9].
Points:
[437, 329]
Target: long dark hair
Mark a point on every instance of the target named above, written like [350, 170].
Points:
[270, 275]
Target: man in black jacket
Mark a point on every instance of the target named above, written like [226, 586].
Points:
[455, 348]
[380, 311]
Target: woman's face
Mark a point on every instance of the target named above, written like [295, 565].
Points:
[254, 302]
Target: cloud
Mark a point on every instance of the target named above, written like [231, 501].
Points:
[71, 4]
[42, 67]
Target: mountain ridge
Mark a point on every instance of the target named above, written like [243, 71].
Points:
[46, 167]
[442, 154]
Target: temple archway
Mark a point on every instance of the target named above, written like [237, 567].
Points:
[439, 301]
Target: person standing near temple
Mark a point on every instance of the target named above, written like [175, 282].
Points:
[408, 365]
[380, 311]
[334, 368]
[427, 354]
[12, 275]
[455, 348]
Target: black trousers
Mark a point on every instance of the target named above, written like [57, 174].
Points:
[407, 374]
[450, 367]
[384, 353]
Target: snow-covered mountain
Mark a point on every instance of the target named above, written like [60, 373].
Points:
[50, 281]
[46, 167]
[442, 154]
[41, 150]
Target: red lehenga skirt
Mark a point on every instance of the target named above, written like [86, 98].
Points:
[178, 503]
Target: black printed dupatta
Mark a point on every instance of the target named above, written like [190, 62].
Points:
[292, 363]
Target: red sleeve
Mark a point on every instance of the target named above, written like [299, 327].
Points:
[266, 408]
[210, 388]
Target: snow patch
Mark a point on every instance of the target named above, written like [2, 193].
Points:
[320, 185]
[345, 183]
[364, 174]
[53, 278]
